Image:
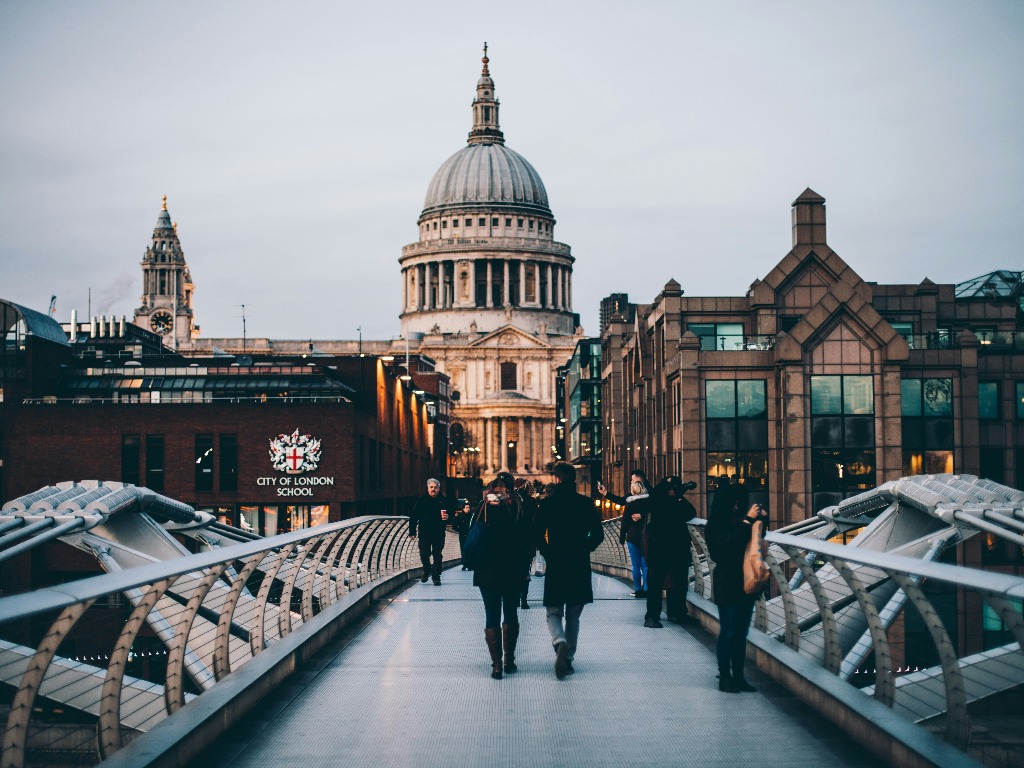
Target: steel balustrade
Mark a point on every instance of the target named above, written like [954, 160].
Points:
[215, 610]
[847, 598]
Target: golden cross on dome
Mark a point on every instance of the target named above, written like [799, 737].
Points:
[164, 208]
[485, 59]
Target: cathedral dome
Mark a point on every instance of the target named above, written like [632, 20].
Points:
[490, 176]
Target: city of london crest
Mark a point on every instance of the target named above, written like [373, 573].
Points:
[295, 453]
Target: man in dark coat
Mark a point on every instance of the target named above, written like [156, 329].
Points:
[430, 515]
[666, 542]
[569, 529]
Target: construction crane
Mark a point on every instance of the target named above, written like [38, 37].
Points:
[53, 306]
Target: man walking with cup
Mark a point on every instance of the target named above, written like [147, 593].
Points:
[430, 516]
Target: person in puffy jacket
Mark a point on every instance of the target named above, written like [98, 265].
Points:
[631, 527]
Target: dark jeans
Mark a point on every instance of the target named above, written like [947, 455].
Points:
[675, 597]
[734, 622]
[430, 547]
[494, 599]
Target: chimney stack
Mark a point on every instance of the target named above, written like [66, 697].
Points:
[809, 219]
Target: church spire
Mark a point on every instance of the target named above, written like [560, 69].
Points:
[486, 129]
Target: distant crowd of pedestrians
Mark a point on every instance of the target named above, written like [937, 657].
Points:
[552, 533]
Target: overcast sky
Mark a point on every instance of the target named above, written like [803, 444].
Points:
[295, 143]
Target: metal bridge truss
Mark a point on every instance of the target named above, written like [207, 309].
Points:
[212, 612]
[845, 607]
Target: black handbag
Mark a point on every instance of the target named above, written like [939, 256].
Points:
[476, 548]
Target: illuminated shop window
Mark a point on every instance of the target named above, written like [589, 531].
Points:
[842, 438]
[736, 434]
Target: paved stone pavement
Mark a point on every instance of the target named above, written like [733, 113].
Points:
[410, 686]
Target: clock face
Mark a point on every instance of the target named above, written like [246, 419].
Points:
[161, 322]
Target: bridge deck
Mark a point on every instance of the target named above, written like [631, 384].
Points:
[411, 687]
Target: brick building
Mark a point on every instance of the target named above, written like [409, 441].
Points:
[269, 445]
[816, 384]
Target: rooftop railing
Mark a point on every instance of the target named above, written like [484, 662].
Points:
[487, 243]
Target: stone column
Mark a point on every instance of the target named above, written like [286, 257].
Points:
[490, 284]
[549, 300]
[472, 283]
[486, 422]
[530, 442]
[568, 288]
[521, 442]
[503, 463]
[505, 285]
[428, 280]
[448, 278]
[522, 284]
[536, 283]
[558, 287]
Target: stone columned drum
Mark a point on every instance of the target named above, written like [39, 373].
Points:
[487, 293]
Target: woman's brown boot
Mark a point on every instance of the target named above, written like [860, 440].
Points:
[493, 635]
[509, 636]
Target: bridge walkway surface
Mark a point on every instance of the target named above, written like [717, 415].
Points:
[410, 686]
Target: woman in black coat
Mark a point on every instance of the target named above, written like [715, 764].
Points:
[728, 532]
[666, 541]
[501, 577]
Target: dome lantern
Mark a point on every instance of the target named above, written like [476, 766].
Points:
[486, 129]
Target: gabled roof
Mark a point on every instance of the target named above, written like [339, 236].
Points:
[509, 336]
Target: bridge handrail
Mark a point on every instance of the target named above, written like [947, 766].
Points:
[211, 612]
[16, 607]
[844, 600]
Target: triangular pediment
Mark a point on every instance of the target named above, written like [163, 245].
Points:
[842, 308]
[803, 276]
[510, 336]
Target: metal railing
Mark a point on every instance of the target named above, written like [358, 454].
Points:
[90, 670]
[736, 343]
[906, 632]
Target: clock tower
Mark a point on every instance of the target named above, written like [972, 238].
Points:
[167, 288]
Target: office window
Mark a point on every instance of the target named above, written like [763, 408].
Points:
[228, 463]
[494, 221]
[788, 322]
[131, 455]
[988, 400]
[204, 464]
[508, 222]
[736, 434]
[720, 336]
[155, 463]
[842, 438]
[927, 410]
[991, 458]
[1020, 400]
[906, 330]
